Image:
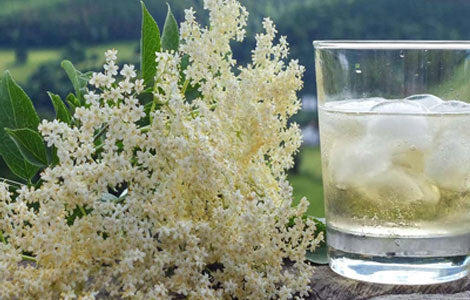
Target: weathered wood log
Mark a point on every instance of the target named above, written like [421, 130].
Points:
[458, 296]
[327, 285]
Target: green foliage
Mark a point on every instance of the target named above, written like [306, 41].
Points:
[23, 110]
[149, 44]
[84, 21]
[62, 114]
[30, 144]
[79, 81]
[21, 55]
[75, 51]
[170, 37]
[320, 255]
[16, 112]
[73, 102]
[308, 181]
[326, 19]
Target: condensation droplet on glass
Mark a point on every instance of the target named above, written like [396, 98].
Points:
[402, 54]
[416, 75]
[357, 66]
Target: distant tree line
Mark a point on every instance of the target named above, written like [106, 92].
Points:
[97, 21]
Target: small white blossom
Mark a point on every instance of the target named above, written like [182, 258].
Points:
[111, 55]
[128, 71]
[126, 86]
[4, 193]
[107, 80]
[139, 86]
[115, 93]
[111, 68]
[92, 98]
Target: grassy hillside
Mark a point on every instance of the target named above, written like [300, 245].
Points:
[308, 182]
[10, 7]
[39, 56]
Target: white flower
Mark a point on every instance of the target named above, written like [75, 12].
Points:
[128, 71]
[115, 94]
[95, 79]
[4, 193]
[92, 98]
[230, 286]
[139, 86]
[111, 55]
[107, 80]
[111, 68]
[126, 86]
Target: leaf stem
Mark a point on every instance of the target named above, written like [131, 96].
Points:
[100, 133]
[12, 182]
[29, 258]
[155, 90]
[185, 86]
[2, 238]
[82, 210]
[145, 129]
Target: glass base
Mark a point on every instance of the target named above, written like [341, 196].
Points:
[399, 270]
[407, 261]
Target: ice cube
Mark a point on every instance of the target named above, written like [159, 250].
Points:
[451, 106]
[398, 106]
[341, 127]
[349, 162]
[354, 105]
[408, 158]
[397, 186]
[425, 100]
[449, 162]
[401, 131]
[368, 167]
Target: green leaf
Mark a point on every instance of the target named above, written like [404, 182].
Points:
[61, 112]
[24, 113]
[319, 256]
[108, 197]
[72, 102]
[320, 225]
[149, 44]
[170, 36]
[52, 156]
[30, 144]
[78, 213]
[16, 111]
[79, 80]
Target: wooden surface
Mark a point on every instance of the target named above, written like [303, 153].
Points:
[327, 285]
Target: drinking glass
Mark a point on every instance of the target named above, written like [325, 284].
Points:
[394, 121]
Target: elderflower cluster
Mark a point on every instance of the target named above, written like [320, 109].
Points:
[207, 200]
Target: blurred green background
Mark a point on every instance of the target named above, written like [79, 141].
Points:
[35, 35]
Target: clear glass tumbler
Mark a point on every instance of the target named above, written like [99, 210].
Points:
[395, 143]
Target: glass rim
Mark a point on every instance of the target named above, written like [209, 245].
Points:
[392, 44]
